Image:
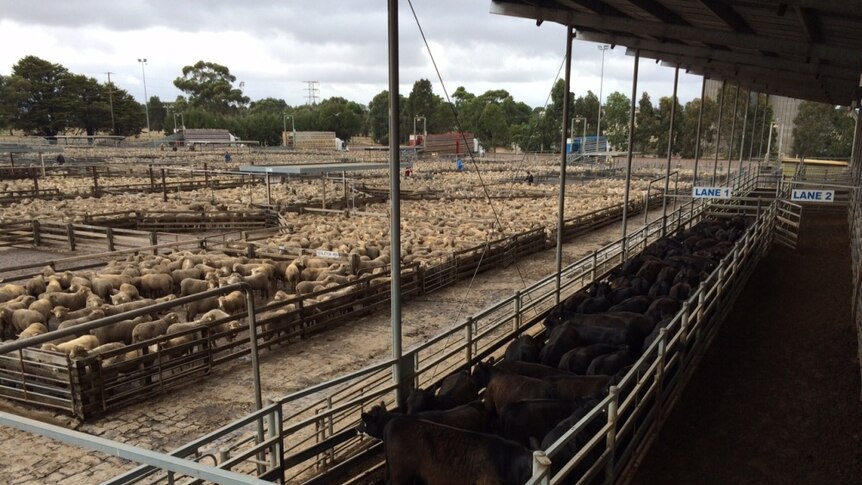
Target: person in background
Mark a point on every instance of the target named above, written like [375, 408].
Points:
[227, 157]
[408, 171]
[529, 178]
[459, 165]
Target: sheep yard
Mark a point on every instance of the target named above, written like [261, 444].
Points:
[222, 227]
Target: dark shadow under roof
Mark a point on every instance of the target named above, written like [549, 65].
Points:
[806, 49]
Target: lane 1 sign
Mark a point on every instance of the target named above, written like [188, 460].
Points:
[818, 195]
[711, 192]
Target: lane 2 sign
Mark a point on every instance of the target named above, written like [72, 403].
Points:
[803, 195]
[711, 192]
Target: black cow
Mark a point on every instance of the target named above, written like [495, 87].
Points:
[662, 308]
[470, 417]
[614, 320]
[621, 294]
[569, 450]
[454, 390]
[578, 359]
[528, 369]
[610, 364]
[562, 339]
[503, 387]
[576, 387]
[524, 348]
[433, 454]
[595, 304]
[636, 304]
[527, 422]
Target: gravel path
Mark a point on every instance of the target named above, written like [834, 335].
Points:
[775, 399]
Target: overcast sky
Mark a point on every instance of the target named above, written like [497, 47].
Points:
[274, 46]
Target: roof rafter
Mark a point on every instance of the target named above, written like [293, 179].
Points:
[810, 24]
[659, 11]
[728, 15]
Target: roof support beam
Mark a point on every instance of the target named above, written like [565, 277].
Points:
[659, 11]
[728, 15]
[707, 54]
[810, 24]
[595, 6]
[841, 55]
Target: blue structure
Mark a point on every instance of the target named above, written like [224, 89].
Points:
[580, 146]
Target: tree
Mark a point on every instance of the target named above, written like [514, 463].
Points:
[378, 117]
[646, 129]
[86, 104]
[663, 123]
[7, 107]
[461, 96]
[822, 131]
[158, 115]
[336, 115]
[268, 105]
[616, 120]
[129, 118]
[35, 88]
[210, 86]
[493, 130]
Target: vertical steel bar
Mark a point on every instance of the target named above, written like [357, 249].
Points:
[395, 201]
[732, 132]
[718, 131]
[614, 392]
[763, 127]
[744, 127]
[631, 147]
[669, 155]
[753, 128]
[255, 367]
[562, 197]
[697, 136]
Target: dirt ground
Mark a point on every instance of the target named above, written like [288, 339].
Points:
[775, 399]
[166, 422]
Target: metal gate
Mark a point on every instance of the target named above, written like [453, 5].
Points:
[787, 219]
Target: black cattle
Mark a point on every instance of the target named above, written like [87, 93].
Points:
[621, 294]
[454, 390]
[599, 288]
[576, 387]
[562, 339]
[433, 454]
[503, 387]
[527, 369]
[651, 269]
[610, 364]
[470, 417]
[636, 304]
[524, 348]
[655, 333]
[527, 422]
[596, 304]
[570, 449]
[610, 336]
[633, 265]
[662, 308]
[614, 320]
[578, 359]
[659, 289]
[688, 275]
[640, 284]
[680, 291]
[574, 301]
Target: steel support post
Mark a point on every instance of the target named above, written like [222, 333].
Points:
[753, 128]
[395, 202]
[763, 127]
[629, 155]
[732, 132]
[562, 198]
[669, 155]
[718, 131]
[742, 131]
[697, 136]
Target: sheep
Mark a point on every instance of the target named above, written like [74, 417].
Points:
[233, 302]
[178, 275]
[19, 303]
[215, 315]
[72, 301]
[53, 285]
[156, 284]
[148, 330]
[10, 292]
[183, 339]
[120, 298]
[130, 290]
[33, 330]
[191, 286]
[43, 306]
[80, 282]
[19, 320]
[119, 331]
[125, 307]
[36, 285]
[87, 342]
[293, 274]
[82, 353]
[102, 286]
[94, 315]
[195, 308]
[259, 282]
[123, 363]
[62, 313]
[305, 287]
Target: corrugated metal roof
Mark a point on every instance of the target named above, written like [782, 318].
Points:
[808, 49]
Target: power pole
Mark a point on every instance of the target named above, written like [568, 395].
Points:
[313, 91]
[111, 101]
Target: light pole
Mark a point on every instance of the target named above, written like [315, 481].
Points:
[769, 140]
[602, 48]
[146, 99]
[572, 130]
[292, 127]
[111, 101]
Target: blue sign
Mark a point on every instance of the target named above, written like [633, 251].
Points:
[817, 195]
[711, 192]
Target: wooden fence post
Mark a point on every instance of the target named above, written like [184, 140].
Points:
[206, 176]
[249, 250]
[35, 182]
[95, 182]
[109, 232]
[154, 241]
[164, 187]
[152, 180]
[37, 236]
[70, 232]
